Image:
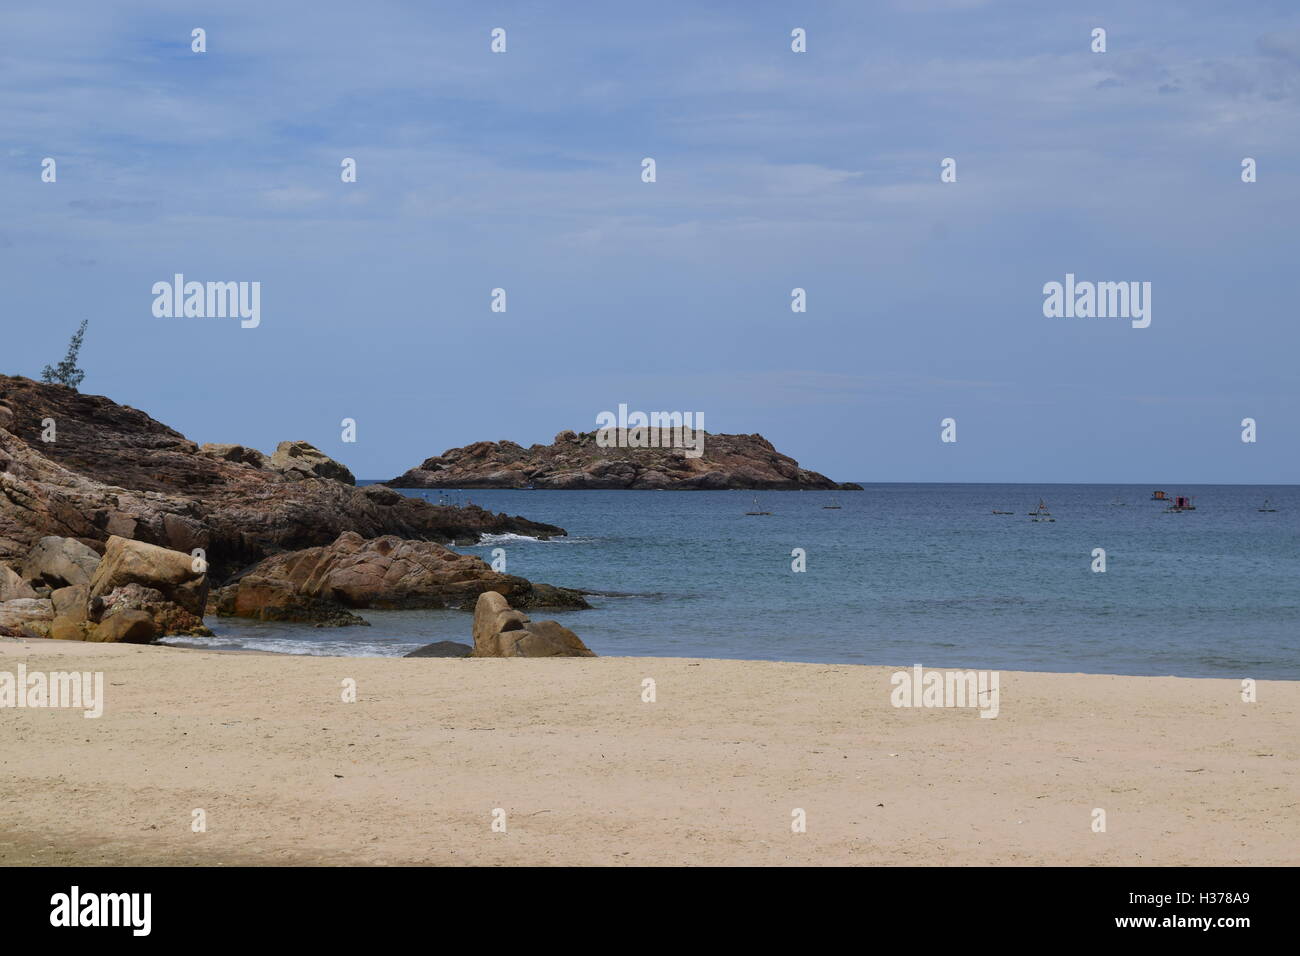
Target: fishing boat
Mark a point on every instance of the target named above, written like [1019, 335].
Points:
[1041, 513]
[756, 511]
[1266, 507]
[1181, 503]
[1159, 496]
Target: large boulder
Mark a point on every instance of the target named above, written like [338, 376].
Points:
[492, 615]
[68, 629]
[501, 631]
[172, 573]
[125, 627]
[168, 616]
[298, 459]
[12, 586]
[60, 562]
[72, 602]
[387, 573]
[137, 579]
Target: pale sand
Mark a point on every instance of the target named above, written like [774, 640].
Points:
[589, 774]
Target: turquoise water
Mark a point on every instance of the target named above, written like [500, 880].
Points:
[900, 574]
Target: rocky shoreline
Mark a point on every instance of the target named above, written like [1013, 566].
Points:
[116, 528]
[576, 461]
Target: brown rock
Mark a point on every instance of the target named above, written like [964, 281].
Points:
[500, 631]
[67, 629]
[71, 602]
[124, 627]
[236, 453]
[575, 461]
[545, 639]
[23, 611]
[12, 586]
[386, 572]
[298, 459]
[490, 621]
[168, 616]
[60, 562]
[170, 572]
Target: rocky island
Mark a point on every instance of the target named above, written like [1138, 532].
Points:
[575, 460]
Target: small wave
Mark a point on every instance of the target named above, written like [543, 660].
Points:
[625, 594]
[270, 645]
[488, 540]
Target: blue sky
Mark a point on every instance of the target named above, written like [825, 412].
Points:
[775, 170]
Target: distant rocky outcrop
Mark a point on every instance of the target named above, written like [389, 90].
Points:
[325, 584]
[502, 631]
[112, 470]
[575, 461]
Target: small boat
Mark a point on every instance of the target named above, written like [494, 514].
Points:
[833, 506]
[1117, 503]
[996, 512]
[1181, 503]
[1041, 513]
[756, 511]
[1266, 507]
[1159, 496]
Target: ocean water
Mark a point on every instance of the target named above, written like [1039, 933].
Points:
[900, 574]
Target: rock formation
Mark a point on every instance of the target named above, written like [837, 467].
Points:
[501, 631]
[113, 470]
[324, 584]
[137, 592]
[575, 461]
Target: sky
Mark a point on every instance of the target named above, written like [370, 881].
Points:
[775, 170]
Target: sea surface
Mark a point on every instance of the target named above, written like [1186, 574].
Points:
[899, 574]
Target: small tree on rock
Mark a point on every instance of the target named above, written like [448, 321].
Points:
[66, 372]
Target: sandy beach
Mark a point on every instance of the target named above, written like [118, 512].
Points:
[586, 772]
